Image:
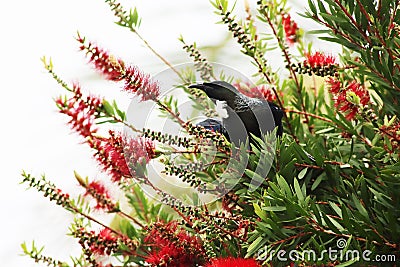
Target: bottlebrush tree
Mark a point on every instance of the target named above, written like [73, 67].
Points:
[331, 194]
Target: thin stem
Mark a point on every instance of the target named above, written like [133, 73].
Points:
[337, 32]
[345, 11]
[76, 210]
[280, 104]
[173, 114]
[130, 218]
[309, 114]
[289, 238]
[288, 60]
[317, 227]
[163, 59]
[308, 166]
[365, 13]
[392, 17]
[125, 123]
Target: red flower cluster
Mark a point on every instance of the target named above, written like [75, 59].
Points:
[335, 86]
[172, 247]
[82, 111]
[103, 243]
[100, 193]
[116, 152]
[261, 91]
[290, 28]
[110, 154]
[105, 239]
[348, 99]
[319, 59]
[232, 262]
[114, 69]
[141, 84]
[138, 151]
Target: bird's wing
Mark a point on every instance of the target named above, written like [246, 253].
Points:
[258, 114]
[244, 103]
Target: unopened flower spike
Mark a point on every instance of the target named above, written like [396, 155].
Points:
[317, 63]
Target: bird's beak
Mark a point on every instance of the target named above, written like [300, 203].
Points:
[202, 87]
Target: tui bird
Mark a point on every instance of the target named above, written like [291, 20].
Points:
[245, 115]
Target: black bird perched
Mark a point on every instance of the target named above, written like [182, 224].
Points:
[245, 115]
[256, 117]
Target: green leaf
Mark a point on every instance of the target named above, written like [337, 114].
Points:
[329, 222]
[302, 173]
[316, 182]
[321, 7]
[274, 208]
[108, 108]
[254, 176]
[338, 19]
[256, 245]
[284, 185]
[316, 213]
[345, 216]
[24, 249]
[298, 191]
[312, 7]
[335, 208]
[359, 206]
[135, 17]
[260, 213]
[120, 113]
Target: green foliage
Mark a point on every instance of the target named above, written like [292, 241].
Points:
[369, 30]
[332, 181]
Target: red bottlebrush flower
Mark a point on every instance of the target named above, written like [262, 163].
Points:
[360, 91]
[290, 28]
[114, 69]
[82, 111]
[261, 91]
[103, 243]
[139, 150]
[232, 262]
[100, 193]
[120, 156]
[172, 247]
[108, 65]
[141, 84]
[335, 85]
[349, 99]
[319, 59]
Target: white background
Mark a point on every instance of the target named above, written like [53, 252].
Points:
[34, 137]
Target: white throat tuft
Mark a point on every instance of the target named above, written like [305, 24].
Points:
[220, 108]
